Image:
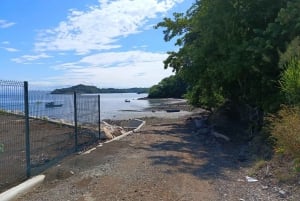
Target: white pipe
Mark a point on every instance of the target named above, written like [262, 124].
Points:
[22, 188]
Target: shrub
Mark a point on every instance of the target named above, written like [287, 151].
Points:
[290, 81]
[285, 127]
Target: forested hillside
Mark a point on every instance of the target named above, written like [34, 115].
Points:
[92, 89]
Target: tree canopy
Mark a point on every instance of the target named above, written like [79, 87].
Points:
[230, 49]
[170, 87]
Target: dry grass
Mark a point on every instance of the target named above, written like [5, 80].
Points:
[286, 129]
[259, 164]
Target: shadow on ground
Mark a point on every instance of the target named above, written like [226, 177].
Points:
[180, 150]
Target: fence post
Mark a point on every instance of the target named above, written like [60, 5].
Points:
[75, 122]
[99, 117]
[27, 131]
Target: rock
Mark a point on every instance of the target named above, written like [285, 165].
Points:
[275, 189]
[264, 187]
[282, 193]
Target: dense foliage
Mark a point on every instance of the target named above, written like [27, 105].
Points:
[230, 49]
[290, 78]
[246, 53]
[93, 90]
[170, 87]
[285, 127]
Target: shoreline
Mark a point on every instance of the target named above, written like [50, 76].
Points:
[168, 108]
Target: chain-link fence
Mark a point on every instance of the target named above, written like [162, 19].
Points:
[12, 133]
[38, 128]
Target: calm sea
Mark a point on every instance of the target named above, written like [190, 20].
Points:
[111, 105]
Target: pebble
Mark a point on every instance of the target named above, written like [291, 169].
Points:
[264, 187]
[282, 193]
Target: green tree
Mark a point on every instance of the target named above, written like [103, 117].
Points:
[170, 87]
[290, 78]
[290, 82]
[229, 49]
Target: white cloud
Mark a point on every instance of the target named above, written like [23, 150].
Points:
[5, 24]
[100, 27]
[115, 69]
[5, 42]
[29, 58]
[114, 59]
[9, 49]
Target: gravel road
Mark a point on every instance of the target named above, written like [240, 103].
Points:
[166, 160]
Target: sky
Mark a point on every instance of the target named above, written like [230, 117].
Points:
[104, 43]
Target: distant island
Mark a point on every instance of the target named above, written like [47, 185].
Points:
[85, 89]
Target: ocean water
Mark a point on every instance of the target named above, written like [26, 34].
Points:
[111, 105]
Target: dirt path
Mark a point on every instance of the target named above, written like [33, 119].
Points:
[159, 163]
[164, 161]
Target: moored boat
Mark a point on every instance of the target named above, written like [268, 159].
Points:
[52, 104]
[172, 110]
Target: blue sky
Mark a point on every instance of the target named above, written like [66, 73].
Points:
[106, 43]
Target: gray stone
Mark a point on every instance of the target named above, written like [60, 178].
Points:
[283, 193]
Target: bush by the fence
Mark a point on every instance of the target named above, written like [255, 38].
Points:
[285, 127]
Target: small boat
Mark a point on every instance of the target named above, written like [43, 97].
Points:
[52, 104]
[173, 110]
[127, 101]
